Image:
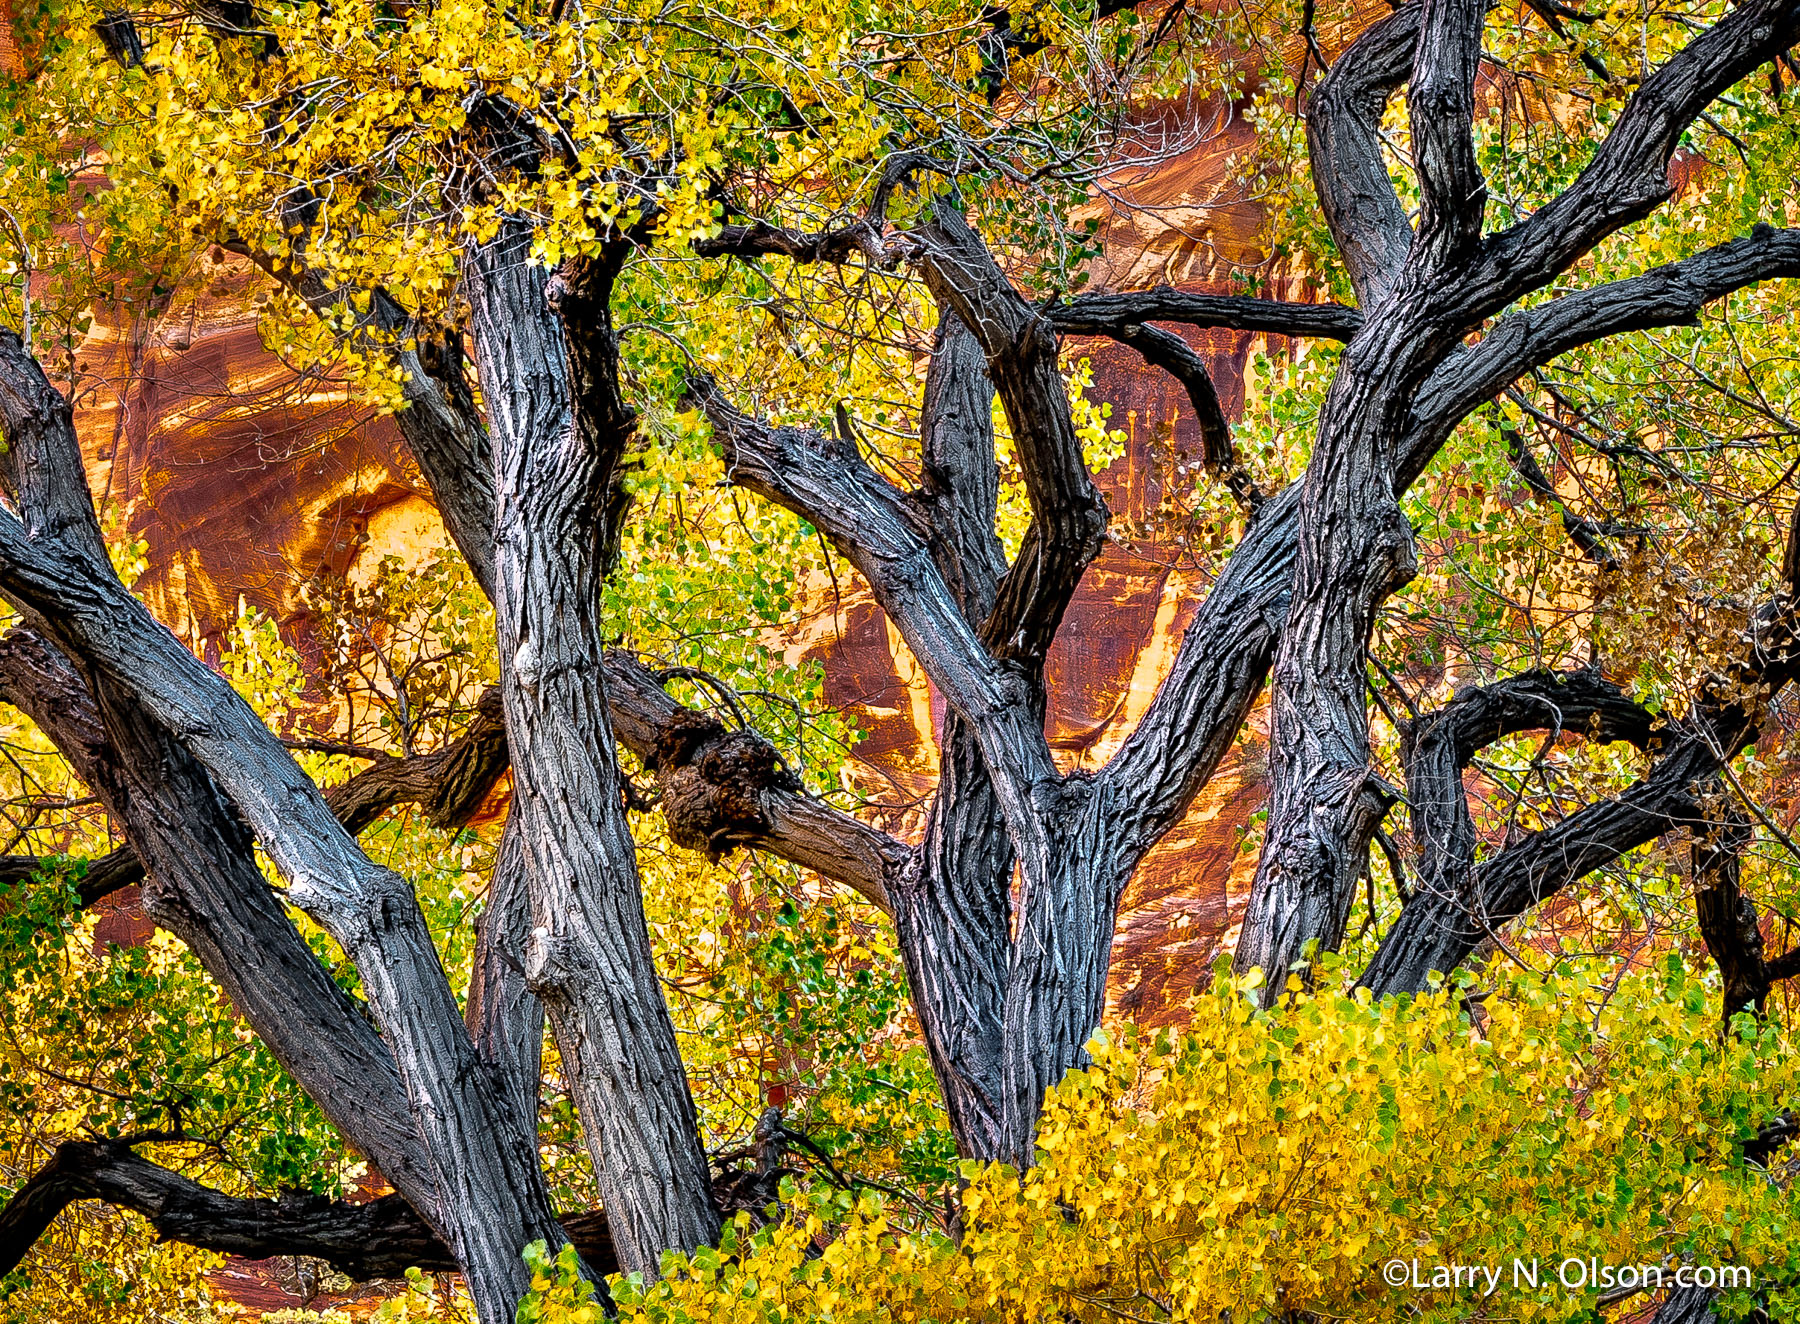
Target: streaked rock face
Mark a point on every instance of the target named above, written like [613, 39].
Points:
[244, 478]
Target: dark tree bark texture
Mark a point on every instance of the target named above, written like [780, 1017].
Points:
[1006, 909]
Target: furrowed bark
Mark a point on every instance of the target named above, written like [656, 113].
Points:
[1441, 111]
[728, 810]
[1443, 743]
[1062, 944]
[588, 958]
[877, 529]
[504, 1016]
[1355, 548]
[1104, 314]
[1068, 515]
[206, 889]
[959, 486]
[1218, 672]
[491, 1199]
[449, 785]
[1354, 545]
[1437, 933]
[1689, 1305]
[870, 522]
[1165, 350]
[1670, 295]
[1628, 176]
[380, 1238]
[1437, 930]
[454, 448]
[1227, 650]
[1727, 918]
[454, 451]
[1343, 122]
[447, 436]
[953, 911]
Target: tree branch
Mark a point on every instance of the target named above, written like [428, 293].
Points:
[1586, 534]
[1441, 110]
[1219, 671]
[953, 910]
[205, 887]
[445, 432]
[494, 1203]
[1068, 515]
[1170, 352]
[1443, 743]
[727, 796]
[448, 785]
[380, 1239]
[959, 480]
[1628, 177]
[1439, 928]
[864, 235]
[1670, 295]
[548, 368]
[1105, 314]
[1343, 132]
[1226, 652]
[1727, 918]
[824, 481]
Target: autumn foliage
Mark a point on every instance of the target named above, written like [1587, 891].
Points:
[709, 328]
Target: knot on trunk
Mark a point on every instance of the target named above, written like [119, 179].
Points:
[712, 782]
[682, 736]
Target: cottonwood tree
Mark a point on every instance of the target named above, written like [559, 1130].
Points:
[464, 198]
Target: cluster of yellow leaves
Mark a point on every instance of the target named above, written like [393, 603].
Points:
[1262, 1163]
[361, 136]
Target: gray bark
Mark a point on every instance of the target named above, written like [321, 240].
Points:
[490, 1195]
[1343, 125]
[1355, 549]
[1441, 744]
[1226, 652]
[1439, 927]
[588, 958]
[205, 888]
[1108, 314]
[953, 912]
[534, 507]
[1062, 940]
[504, 1016]
[1691, 1305]
[448, 785]
[1354, 546]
